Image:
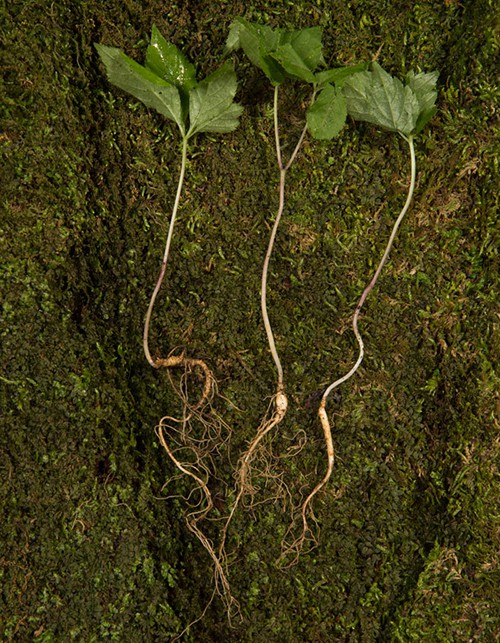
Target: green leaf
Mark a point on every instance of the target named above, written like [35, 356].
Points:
[327, 115]
[339, 75]
[142, 83]
[376, 97]
[257, 41]
[233, 40]
[424, 88]
[423, 118]
[168, 62]
[292, 63]
[300, 52]
[279, 54]
[307, 43]
[211, 107]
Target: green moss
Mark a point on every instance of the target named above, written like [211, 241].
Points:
[93, 546]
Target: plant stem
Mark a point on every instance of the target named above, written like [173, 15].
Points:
[154, 362]
[375, 277]
[323, 416]
[280, 398]
[265, 268]
[276, 128]
[265, 316]
[283, 170]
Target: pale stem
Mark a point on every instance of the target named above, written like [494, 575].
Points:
[283, 170]
[301, 138]
[276, 128]
[150, 359]
[322, 407]
[375, 277]
[265, 316]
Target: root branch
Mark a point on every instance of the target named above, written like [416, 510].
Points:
[191, 443]
[306, 513]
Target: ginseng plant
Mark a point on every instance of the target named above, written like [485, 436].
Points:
[405, 108]
[287, 56]
[167, 83]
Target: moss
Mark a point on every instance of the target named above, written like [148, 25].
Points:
[94, 546]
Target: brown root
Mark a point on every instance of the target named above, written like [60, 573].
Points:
[189, 364]
[243, 474]
[190, 442]
[306, 513]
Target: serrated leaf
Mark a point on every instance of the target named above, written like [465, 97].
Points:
[292, 63]
[258, 36]
[168, 62]
[142, 83]
[327, 115]
[257, 41]
[211, 107]
[376, 97]
[233, 42]
[339, 75]
[424, 88]
[300, 52]
[278, 53]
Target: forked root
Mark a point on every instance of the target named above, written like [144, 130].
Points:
[243, 474]
[222, 586]
[244, 467]
[192, 456]
[294, 549]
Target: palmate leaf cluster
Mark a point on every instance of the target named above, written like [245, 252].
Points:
[278, 53]
[296, 55]
[376, 97]
[167, 83]
[365, 94]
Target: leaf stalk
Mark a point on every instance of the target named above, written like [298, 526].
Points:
[153, 361]
[375, 277]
